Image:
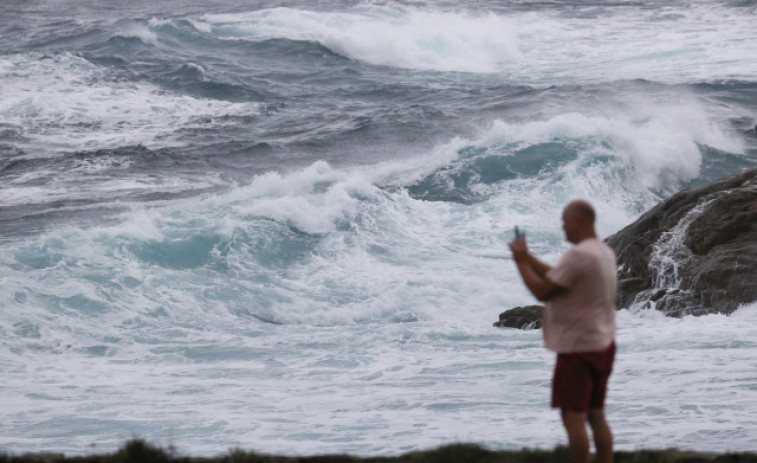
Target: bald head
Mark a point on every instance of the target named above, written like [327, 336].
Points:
[581, 209]
[578, 221]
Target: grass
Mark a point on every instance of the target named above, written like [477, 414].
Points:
[139, 451]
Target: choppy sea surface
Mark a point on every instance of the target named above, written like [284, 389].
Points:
[282, 226]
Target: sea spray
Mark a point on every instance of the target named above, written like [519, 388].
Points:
[602, 44]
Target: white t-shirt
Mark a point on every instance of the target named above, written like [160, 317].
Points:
[582, 319]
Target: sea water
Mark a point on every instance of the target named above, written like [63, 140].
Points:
[283, 226]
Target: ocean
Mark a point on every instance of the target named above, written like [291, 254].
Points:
[282, 226]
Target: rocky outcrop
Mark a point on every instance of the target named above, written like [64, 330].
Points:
[528, 317]
[693, 254]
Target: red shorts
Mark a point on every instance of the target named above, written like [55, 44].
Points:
[580, 380]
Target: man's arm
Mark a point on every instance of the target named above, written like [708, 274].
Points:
[538, 266]
[534, 272]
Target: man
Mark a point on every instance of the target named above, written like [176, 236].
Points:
[579, 324]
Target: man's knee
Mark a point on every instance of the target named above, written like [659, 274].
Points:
[573, 419]
[596, 416]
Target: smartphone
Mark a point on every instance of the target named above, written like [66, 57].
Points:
[518, 234]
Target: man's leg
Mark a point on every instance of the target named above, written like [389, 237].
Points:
[602, 435]
[578, 439]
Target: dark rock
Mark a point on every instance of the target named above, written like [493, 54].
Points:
[628, 288]
[695, 253]
[528, 317]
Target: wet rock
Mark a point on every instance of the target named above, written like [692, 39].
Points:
[695, 253]
[528, 317]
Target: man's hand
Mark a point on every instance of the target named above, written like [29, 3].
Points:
[519, 248]
[533, 271]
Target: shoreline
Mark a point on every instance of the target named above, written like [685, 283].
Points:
[140, 451]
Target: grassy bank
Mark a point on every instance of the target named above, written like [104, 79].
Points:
[138, 451]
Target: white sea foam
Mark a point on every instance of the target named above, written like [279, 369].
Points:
[629, 152]
[380, 389]
[384, 35]
[64, 102]
[129, 345]
[676, 43]
[689, 42]
[670, 252]
[144, 32]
